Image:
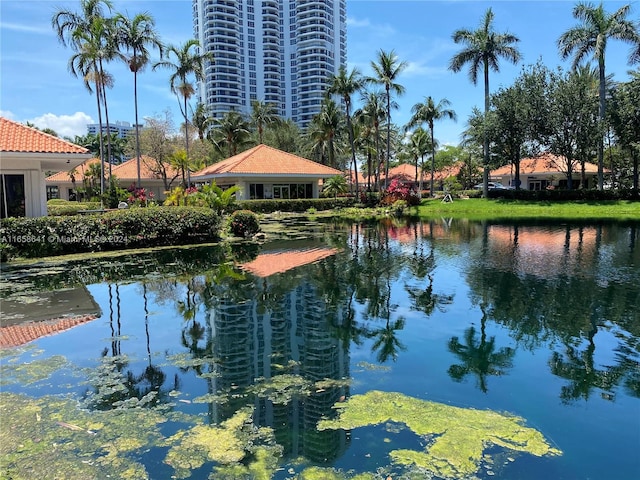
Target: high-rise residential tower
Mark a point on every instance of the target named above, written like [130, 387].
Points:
[277, 51]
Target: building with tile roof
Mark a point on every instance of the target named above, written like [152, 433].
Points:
[25, 155]
[154, 177]
[406, 173]
[266, 172]
[546, 171]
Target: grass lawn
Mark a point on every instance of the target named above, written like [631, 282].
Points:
[484, 209]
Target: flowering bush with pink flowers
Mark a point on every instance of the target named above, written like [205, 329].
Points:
[399, 191]
[139, 196]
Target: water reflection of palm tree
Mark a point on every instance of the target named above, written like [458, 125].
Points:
[153, 377]
[425, 300]
[479, 358]
[579, 368]
[387, 343]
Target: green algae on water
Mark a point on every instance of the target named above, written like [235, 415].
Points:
[234, 440]
[51, 437]
[32, 371]
[281, 388]
[319, 473]
[456, 437]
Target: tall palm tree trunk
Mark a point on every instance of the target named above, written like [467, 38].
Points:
[601, 124]
[100, 143]
[485, 167]
[186, 141]
[353, 151]
[106, 117]
[135, 107]
[386, 163]
[433, 160]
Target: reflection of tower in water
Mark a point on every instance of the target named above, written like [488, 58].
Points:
[264, 336]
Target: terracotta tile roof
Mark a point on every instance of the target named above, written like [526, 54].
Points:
[265, 160]
[403, 173]
[16, 137]
[22, 333]
[267, 264]
[351, 178]
[446, 172]
[129, 170]
[545, 163]
[124, 171]
[407, 173]
[63, 177]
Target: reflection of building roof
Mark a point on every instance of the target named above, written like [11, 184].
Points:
[541, 252]
[265, 160]
[267, 264]
[16, 137]
[20, 334]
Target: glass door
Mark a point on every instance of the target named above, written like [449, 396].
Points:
[12, 196]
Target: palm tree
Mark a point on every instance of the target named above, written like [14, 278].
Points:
[428, 112]
[201, 119]
[370, 114]
[590, 37]
[419, 145]
[387, 71]
[345, 85]
[137, 34]
[263, 114]
[75, 29]
[186, 63]
[322, 132]
[482, 49]
[231, 130]
[335, 185]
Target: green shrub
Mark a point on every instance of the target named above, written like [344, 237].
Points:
[244, 223]
[64, 207]
[113, 230]
[294, 205]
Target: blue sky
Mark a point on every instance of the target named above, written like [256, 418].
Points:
[36, 86]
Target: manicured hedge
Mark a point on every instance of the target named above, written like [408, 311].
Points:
[64, 207]
[112, 230]
[294, 205]
[565, 195]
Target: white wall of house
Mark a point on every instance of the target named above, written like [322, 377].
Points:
[268, 183]
[35, 201]
[541, 181]
[32, 167]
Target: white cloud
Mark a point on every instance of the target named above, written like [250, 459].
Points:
[64, 125]
[7, 114]
[421, 69]
[378, 29]
[18, 27]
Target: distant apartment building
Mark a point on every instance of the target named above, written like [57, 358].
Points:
[277, 51]
[123, 129]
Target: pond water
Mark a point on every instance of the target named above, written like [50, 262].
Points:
[383, 350]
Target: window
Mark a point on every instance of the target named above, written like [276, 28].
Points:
[52, 192]
[256, 191]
